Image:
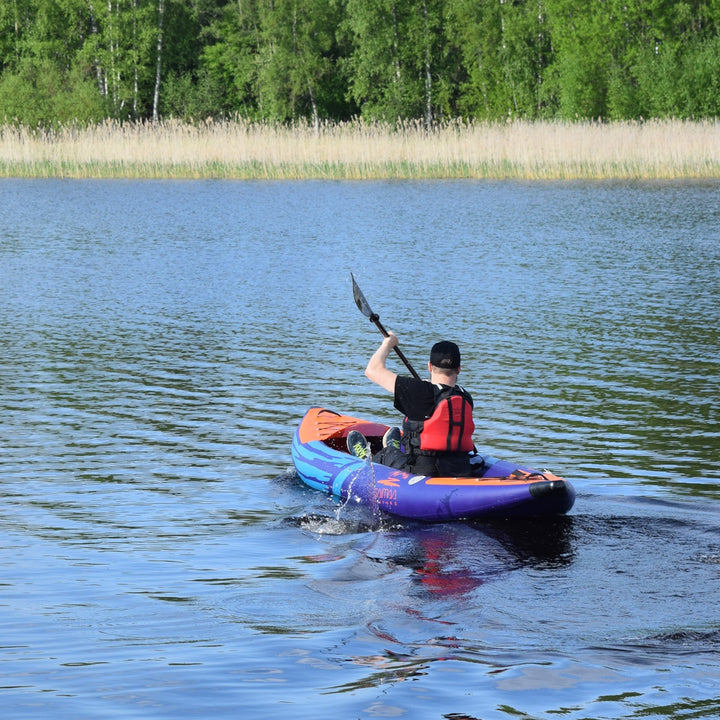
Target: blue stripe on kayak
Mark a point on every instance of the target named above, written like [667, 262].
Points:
[323, 462]
[307, 472]
[354, 468]
[317, 464]
[307, 467]
[323, 468]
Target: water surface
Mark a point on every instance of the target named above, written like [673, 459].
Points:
[159, 343]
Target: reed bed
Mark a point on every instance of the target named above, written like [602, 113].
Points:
[359, 150]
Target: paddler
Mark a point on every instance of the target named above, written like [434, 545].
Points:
[436, 438]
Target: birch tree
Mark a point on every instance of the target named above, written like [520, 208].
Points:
[158, 60]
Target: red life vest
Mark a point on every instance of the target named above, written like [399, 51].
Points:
[448, 430]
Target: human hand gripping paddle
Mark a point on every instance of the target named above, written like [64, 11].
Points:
[364, 308]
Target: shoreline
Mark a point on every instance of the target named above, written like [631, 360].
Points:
[657, 149]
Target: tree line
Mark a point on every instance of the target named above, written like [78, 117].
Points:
[85, 61]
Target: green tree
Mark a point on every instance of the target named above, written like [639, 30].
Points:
[283, 60]
[397, 63]
[297, 58]
[42, 80]
[506, 48]
[228, 65]
[118, 52]
[699, 81]
[278, 59]
[582, 58]
[671, 64]
[177, 44]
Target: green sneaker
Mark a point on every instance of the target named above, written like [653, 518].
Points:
[357, 445]
[392, 438]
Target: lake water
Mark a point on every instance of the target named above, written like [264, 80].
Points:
[160, 342]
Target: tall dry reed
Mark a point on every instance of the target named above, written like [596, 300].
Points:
[359, 150]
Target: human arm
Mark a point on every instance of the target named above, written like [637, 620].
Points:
[376, 370]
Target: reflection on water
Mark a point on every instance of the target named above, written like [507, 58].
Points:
[159, 343]
[541, 543]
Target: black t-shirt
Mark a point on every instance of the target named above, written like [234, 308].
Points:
[414, 398]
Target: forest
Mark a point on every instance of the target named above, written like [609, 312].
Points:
[320, 61]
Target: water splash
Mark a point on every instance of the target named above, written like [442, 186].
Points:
[367, 491]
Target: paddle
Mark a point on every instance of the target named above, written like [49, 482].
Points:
[364, 308]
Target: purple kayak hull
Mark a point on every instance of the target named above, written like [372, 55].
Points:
[503, 490]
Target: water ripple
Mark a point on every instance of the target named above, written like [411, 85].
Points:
[159, 344]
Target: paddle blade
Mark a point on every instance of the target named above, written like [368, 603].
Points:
[360, 300]
[362, 304]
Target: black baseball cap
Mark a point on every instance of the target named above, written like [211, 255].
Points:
[445, 354]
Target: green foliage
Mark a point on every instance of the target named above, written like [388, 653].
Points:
[699, 85]
[317, 60]
[188, 97]
[582, 58]
[295, 57]
[38, 93]
[376, 75]
[228, 60]
[396, 66]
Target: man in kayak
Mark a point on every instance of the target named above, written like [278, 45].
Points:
[438, 427]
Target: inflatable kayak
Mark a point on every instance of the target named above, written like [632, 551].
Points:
[501, 489]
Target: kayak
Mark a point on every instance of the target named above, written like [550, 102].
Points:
[500, 490]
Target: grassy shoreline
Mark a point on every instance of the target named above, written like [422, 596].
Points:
[667, 149]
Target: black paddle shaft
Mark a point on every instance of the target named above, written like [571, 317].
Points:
[364, 308]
